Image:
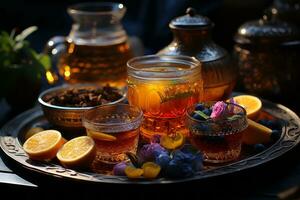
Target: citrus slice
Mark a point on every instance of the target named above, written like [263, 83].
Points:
[100, 136]
[172, 141]
[132, 172]
[77, 153]
[32, 131]
[251, 104]
[256, 133]
[43, 145]
[151, 170]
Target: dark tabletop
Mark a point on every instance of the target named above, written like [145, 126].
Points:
[267, 181]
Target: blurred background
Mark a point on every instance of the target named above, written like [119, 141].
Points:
[148, 21]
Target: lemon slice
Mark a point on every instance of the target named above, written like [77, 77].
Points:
[77, 153]
[172, 141]
[251, 104]
[43, 145]
[256, 133]
[151, 170]
[132, 172]
[100, 136]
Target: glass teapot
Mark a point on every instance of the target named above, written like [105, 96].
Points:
[96, 49]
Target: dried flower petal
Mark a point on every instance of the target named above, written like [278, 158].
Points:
[149, 152]
[218, 110]
[119, 169]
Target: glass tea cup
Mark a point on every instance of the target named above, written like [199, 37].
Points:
[115, 130]
[163, 87]
[219, 140]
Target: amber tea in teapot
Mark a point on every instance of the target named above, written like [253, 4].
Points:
[107, 63]
[97, 47]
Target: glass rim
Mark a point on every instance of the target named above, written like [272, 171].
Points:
[83, 8]
[193, 63]
[214, 121]
[105, 124]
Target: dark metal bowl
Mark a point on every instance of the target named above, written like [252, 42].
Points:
[67, 117]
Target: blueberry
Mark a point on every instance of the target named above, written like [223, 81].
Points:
[275, 135]
[163, 160]
[259, 148]
[200, 107]
[207, 111]
[198, 117]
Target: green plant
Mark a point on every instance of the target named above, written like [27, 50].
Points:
[21, 67]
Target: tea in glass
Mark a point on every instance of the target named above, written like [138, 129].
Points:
[163, 87]
[219, 139]
[97, 48]
[115, 129]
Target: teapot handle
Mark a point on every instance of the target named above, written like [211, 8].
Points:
[54, 48]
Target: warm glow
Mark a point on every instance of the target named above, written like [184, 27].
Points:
[71, 48]
[67, 72]
[50, 77]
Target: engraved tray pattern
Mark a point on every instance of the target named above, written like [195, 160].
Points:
[10, 144]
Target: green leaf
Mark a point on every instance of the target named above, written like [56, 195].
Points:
[25, 33]
[166, 97]
[233, 117]
[45, 61]
[202, 114]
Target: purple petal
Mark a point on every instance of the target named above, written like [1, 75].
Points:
[119, 169]
[218, 109]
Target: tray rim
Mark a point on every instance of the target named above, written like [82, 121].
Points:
[10, 145]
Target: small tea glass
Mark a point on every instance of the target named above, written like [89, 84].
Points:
[219, 140]
[115, 129]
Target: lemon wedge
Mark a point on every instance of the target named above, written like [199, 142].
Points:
[151, 170]
[78, 152]
[43, 145]
[100, 136]
[256, 133]
[172, 141]
[251, 104]
[132, 172]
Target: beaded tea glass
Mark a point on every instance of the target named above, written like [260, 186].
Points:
[115, 129]
[219, 140]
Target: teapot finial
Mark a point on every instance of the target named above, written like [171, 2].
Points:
[191, 11]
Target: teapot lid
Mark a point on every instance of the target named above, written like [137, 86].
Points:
[191, 21]
[266, 30]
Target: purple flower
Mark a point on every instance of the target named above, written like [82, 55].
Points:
[149, 152]
[119, 169]
[218, 110]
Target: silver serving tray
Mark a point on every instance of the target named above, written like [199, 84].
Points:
[12, 137]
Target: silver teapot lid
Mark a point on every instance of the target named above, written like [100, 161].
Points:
[266, 30]
[191, 21]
